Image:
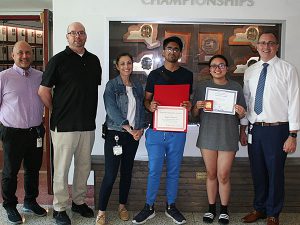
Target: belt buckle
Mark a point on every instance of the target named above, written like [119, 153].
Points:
[263, 124]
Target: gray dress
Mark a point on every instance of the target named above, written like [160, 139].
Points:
[218, 131]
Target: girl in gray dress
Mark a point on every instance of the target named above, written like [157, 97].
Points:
[218, 137]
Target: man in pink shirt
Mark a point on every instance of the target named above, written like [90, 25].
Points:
[21, 132]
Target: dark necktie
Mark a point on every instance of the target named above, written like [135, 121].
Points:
[26, 73]
[258, 105]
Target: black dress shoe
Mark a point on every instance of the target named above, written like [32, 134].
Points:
[83, 210]
[61, 218]
[13, 215]
[34, 208]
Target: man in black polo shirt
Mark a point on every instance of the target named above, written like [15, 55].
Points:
[74, 75]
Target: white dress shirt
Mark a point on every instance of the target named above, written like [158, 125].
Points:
[281, 100]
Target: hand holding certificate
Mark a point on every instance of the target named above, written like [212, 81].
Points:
[170, 116]
[223, 101]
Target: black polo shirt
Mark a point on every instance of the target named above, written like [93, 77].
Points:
[75, 81]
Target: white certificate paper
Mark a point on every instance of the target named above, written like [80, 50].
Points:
[170, 118]
[223, 100]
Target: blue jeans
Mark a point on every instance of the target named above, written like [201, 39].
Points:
[162, 146]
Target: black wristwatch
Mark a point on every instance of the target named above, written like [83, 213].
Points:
[294, 135]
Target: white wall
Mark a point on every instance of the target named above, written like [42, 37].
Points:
[95, 15]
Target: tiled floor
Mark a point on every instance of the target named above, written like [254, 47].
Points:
[159, 219]
[112, 218]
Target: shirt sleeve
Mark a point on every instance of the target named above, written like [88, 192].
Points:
[246, 91]
[111, 107]
[48, 79]
[293, 100]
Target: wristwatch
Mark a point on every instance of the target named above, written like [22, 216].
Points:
[294, 135]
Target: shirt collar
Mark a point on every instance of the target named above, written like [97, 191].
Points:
[270, 62]
[21, 71]
[69, 51]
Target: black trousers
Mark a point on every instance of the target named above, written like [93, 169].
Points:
[112, 163]
[20, 145]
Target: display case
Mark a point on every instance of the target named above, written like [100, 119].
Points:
[143, 40]
[201, 41]
[9, 35]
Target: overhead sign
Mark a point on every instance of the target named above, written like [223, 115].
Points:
[247, 3]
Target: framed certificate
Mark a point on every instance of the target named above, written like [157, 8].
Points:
[3, 53]
[33, 54]
[2, 33]
[223, 100]
[31, 36]
[9, 52]
[39, 37]
[21, 34]
[39, 54]
[170, 118]
[12, 34]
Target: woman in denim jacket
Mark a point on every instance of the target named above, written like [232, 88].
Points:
[123, 100]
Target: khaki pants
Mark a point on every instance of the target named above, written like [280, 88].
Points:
[66, 145]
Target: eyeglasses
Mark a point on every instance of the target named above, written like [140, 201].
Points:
[221, 66]
[79, 33]
[269, 43]
[175, 50]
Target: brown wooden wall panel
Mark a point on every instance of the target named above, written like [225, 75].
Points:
[192, 191]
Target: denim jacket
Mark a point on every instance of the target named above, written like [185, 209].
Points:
[116, 104]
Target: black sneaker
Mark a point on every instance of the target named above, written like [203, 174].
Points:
[208, 217]
[83, 210]
[173, 213]
[13, 215]
[144, 215]
[61, 218]
[34, 208]
[224, 218]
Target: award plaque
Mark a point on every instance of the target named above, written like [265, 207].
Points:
[209, 44]
[145, 63]
[240, 68]
[146, 33]
[247, 35]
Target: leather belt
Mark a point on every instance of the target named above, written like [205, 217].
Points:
[263, 124]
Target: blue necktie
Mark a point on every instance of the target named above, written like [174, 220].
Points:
[260, 90]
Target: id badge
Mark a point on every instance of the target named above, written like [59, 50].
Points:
[250, 134]
[117, 150]
[39, 142]
[249, 138]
